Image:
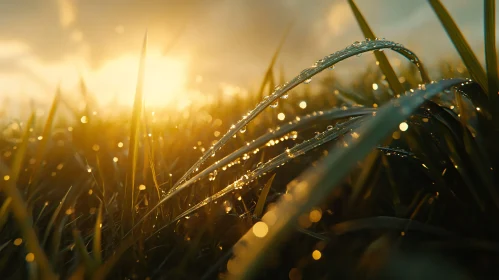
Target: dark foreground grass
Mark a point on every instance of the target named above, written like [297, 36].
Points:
[391, 177]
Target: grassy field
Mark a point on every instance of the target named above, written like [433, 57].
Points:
[392, 176]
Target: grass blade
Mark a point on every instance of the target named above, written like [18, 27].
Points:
[134, 142]
[491, 59]
[21, 150]
[384, 64]
[24, 221]
[312, 186]
[42, 146]
[97, 247]
[54, 217]
[263, 197]
[82, 251]
[470, 60]
[268, 73]
[305, 75]
[4, 212]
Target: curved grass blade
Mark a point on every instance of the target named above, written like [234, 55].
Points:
[304, 121]
[275, 162]
[305, 75]
[475, 69]
[263, 197]
[384, 64]
[315, 183]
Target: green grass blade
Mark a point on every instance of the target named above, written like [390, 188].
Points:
[491, 59]
[97, 241]
[21, 150]
[263, 197]
[470, 60]
[24, 221]
[42, 146]
[105, 268]
[268, 73]
[54, 216]
[4, 212]
[314, 184]
[128, 211]
[384, 64]
[16, 167]
[56, 241]
[82, 251]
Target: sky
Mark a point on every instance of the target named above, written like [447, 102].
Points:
[198, 47]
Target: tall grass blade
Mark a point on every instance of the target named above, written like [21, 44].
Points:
[384, 64]
[54, 216]
[263, 197]
[83, 253]
[470, 60]
[491, 60]
[4, 212]
[268, 73]
[42, 146]
[314, 184]
[97, 241]
[128, 209]
[24, 221]
[21, 150]
[102, 272]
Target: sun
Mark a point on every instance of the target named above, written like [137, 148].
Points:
[165, 81]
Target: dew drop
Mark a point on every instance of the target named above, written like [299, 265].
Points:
[274, 105]
[307, 81]
[243, 129]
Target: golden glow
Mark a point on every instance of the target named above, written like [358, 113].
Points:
[316, 254]
[6, 178]
[403, 126]
[303, 104]
[30, 257]
[165, 79]
[315, 215]
[281, 116]
[142, 187]
[260, 229]
[18, 241]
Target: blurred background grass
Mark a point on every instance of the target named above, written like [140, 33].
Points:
[69, 198]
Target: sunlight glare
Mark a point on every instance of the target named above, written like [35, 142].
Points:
[164, 82]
